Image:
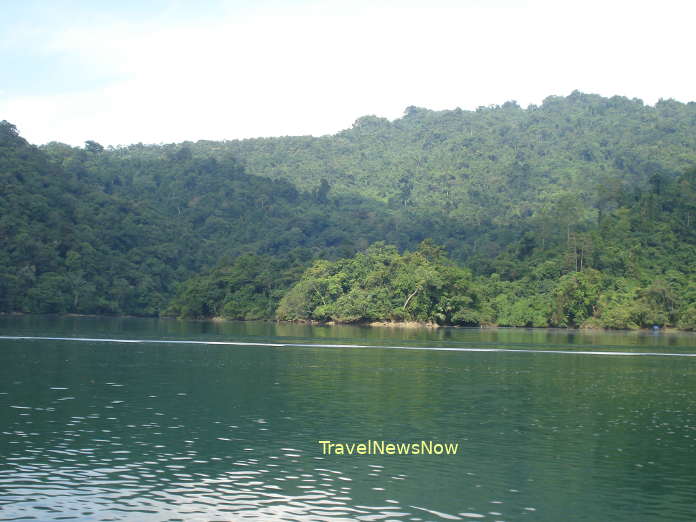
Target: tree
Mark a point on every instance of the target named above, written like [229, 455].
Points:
[322, 193]
[93, 147]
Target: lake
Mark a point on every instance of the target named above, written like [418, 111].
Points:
[550, 424]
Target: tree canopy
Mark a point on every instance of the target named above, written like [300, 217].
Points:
[580, 211]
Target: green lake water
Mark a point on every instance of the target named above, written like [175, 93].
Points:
[551, 425]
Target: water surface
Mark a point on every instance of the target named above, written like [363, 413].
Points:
[95, 430]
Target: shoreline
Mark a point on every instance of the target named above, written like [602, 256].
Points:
[410, 325]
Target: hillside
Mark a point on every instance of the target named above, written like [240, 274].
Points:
[582, 187]
[495, 164]
[85, 231]
[471, 177]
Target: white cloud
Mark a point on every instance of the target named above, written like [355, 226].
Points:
[315, 70]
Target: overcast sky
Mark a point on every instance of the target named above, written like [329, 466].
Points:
[133, 71]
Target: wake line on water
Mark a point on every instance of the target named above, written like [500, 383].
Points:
[309, 345]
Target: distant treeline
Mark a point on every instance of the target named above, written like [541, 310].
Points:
[579, 212]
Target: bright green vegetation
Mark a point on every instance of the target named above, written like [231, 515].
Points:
[381, 284]
[578, 212]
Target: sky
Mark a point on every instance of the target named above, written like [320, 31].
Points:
[128, 71]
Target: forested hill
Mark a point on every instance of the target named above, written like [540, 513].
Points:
[495, 164]
[468, 178]
[522, 197]
[90, 231]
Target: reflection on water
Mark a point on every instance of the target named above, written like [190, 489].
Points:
[252, 331]
[153, 431]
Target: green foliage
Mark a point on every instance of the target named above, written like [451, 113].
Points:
[381, 284]
[116, 231]
[248, 288]
[575, 297]
[688, 318]
[579, 212]
[476, 174]
[527, 311]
